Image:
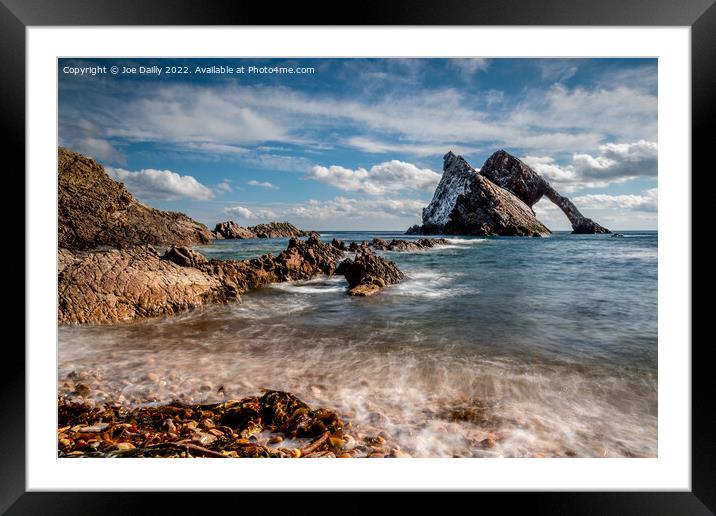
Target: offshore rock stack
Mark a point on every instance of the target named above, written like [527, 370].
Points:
[496, 200]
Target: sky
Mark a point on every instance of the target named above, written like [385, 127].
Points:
[358, 144]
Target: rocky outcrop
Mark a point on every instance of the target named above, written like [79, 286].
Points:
[510, 173]
[302, 259]
[397, 245]
[94, 210]
[486, 209]
[456, 178]
[123, 284]
[231, 230]
[184, 256]
[476, 206]
[495, 213]
[369, 273]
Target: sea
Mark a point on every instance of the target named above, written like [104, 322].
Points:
[490, 347]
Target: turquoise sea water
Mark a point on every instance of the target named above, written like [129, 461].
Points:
[556, 336]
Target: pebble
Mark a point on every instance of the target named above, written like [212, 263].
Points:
[125, 446]
[275, 439]
[82, 390]
[169, 426]
[295, 453]
[153, 377]
[203, 439]
[401, 454]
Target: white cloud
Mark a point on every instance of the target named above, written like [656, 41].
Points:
[343, 207]
[160, 184]
[616, 212]
[417, 149]
[226, 119]
[614, 163]
[390, 176]
[470, 66]
[345, 210]
[241, 212]
[647, 202]
[262, 184]
[225, 186]
[557, 70]
[279, 162]
[99, 149]
[217, 148]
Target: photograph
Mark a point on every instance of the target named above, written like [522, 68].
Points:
[357, 257]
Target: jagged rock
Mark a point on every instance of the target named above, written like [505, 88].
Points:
[487, 209]
[406, 245]
[339, 244]
[369, 273]
[507, 173]
[344, 266]
[456, 178]
[510, 173]
[184, 256]
[379, 243]
[416, 229]
[94, 210]
[231, 230]
[114, 285]
[123, 284]
[355, 246]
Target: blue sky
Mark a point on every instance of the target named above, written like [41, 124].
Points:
[358, 143]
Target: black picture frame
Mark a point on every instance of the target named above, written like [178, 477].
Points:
[699, 15]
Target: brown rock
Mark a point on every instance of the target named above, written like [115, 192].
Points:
[122, 284]
[94, 210]
[184, 256]
[369, 273]
[232, 230]
[487, 209]
[510, 173]
[338, 244]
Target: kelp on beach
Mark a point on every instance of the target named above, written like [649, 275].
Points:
[276, 424]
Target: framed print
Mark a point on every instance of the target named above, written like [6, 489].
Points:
[454, 238]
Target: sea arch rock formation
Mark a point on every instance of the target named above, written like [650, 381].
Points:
[502, 175]
[510, 173]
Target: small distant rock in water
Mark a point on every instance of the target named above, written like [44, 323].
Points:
[231, 230]
[339, 244]
[617, 235]
[398, 245]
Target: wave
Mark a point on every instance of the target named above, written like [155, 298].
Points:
[429, 284]
[314, 286]
[465, 241]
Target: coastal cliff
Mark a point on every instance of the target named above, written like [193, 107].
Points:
[94, 210]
